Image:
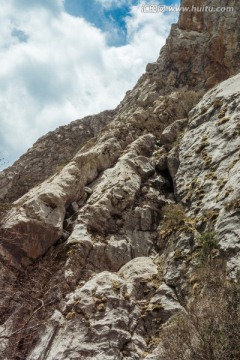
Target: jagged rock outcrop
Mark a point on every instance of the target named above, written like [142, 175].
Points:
[99, 256]
[201, 51]
[43, 208]
[49, 155]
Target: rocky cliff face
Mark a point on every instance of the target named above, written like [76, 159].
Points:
[100, 255]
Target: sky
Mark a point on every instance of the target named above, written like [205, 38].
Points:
[61, 60]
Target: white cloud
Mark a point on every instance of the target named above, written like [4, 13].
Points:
[65, 70]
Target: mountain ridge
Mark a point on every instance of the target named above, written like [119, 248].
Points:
[100, 256]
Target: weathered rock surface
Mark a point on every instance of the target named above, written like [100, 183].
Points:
[208, 177]
[100, 255]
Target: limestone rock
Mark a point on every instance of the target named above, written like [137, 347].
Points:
[209, 153]
[102, 313]
[171, 133]
[95, 263]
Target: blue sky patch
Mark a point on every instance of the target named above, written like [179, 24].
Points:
[20, 35]
[110, 20]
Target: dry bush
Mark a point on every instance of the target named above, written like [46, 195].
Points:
[188, 99]
[173, 218]
[4, 208]
[26, 295]
[173, 215]
[27, 300]
[210, 327]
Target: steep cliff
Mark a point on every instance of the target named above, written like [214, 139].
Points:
[98, 257]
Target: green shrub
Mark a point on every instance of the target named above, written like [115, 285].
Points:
[208, 243]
